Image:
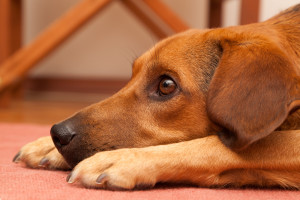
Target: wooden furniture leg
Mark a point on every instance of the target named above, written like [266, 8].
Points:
[10, 37]
[10, 26]
[249, 11]
[16, 66]
[167, 15]
[131, 5]
[215, 13]
[162, 11]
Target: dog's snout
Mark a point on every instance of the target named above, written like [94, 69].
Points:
[62, 134]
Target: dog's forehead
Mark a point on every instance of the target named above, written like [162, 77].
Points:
[172, 49]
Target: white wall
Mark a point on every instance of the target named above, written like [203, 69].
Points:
[105, 47]
[268, 8]
[231, 13]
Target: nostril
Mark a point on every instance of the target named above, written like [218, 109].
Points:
[61, 134]
[56, 141]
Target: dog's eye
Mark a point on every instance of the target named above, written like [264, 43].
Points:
[166, 86]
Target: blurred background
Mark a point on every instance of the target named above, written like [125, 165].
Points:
[87, 64]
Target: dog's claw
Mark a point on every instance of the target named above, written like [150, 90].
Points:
[101, 179]
[16, 159]
[44, 162]
[71, 178]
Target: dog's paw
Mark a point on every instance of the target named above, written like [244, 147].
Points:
[41, 154]
[122, 169]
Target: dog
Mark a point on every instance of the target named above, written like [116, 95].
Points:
[212, 108]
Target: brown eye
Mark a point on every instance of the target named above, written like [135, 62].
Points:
[166, 86]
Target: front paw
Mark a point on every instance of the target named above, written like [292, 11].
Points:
[41, 154]
[121, 169]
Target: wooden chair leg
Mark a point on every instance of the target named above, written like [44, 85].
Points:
[144, 18]
[167, 15]
[15, 67]
[215, 13]
[10, 26]
[10, 38]
[249, 11]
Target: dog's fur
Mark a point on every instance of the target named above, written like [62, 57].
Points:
[212, 107]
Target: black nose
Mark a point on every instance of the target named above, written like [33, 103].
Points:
[61, 134]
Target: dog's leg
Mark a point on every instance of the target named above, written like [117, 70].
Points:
[41, 154]
[274, 160]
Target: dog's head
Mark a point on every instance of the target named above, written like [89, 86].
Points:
[189, 86]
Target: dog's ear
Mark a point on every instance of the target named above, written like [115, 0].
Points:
[252, 91]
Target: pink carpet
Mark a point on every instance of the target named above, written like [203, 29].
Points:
[18, 182]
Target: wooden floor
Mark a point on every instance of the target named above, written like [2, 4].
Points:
[47, 108]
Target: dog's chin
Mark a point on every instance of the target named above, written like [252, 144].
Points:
[74, 158]
[73, 154]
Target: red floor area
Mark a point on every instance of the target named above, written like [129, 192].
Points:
[17, 182]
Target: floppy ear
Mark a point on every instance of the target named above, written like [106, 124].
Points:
[253, 90]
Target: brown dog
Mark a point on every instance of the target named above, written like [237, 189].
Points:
[213, 108]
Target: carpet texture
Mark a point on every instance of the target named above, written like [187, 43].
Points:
[17, 182]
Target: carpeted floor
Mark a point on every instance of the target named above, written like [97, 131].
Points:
[17, 182]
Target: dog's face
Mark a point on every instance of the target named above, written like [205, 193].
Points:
[234, 83]
[164, 102]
